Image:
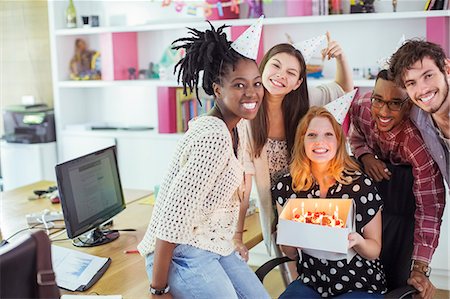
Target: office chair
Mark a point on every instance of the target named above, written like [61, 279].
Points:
[26, 269]
[398, 233]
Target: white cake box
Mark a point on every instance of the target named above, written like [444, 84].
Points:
[314, 236]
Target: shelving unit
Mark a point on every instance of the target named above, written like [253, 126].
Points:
[173, 24]
[173, 83]
[118, 83]
[131, 41]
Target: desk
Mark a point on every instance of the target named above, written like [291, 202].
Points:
[126, 275]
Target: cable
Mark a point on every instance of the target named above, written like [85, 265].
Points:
[35, 226]
[46, 224]
[59, 240]
[56, 234]
[22, 230]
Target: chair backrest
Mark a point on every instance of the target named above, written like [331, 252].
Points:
[26, 269]
[398, 224]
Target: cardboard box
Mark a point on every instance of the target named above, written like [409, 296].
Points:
[314, 236]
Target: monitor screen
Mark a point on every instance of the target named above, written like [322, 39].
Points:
[91, 194]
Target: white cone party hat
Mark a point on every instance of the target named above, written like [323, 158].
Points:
[384, 62]
[340, 106]
[247, 44]
[310, 46]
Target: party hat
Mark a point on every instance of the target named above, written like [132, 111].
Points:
[340, 107]
[310, 46]
[384, 62]
[247, 44]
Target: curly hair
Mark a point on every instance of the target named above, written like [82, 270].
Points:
[412, 51]
[208, 52]
[295, 104]
[341, 167]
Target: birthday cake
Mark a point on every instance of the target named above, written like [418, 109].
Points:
[319, 218]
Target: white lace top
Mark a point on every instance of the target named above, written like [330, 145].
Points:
[198, 202]
[277, 154]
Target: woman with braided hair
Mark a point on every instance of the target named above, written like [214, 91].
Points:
[188, 246]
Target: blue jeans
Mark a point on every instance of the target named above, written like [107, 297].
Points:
[298, 289]
[197, 273]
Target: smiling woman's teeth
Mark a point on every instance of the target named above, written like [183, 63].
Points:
[249, 105]
[276, 83]
[427, 98]
[320, 150]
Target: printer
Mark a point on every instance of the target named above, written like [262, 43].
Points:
[29, 124]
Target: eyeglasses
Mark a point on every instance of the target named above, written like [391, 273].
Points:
[392, 105]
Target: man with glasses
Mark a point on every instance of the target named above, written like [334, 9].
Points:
[385, 141]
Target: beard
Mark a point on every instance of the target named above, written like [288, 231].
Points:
[445, 101]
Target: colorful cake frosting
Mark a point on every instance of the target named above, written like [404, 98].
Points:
[319, 218]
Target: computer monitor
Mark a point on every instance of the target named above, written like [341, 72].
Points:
[91, 194]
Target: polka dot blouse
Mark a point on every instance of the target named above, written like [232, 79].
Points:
[331, 278]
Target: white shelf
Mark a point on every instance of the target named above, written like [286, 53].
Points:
[364, 83]
[269, 21]
[356, 82]
[170, 83]
[356, 17]
[118, 83]
[140, 134]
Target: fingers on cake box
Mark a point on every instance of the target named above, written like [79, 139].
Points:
[317, 224]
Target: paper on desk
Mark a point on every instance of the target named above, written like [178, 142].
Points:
[148, 200]
[74, 268]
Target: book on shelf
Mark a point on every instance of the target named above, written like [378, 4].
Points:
[167, 115]
[189, 107]
[438, 5]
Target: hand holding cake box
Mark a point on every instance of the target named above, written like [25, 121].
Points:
[329, 213]
[303, 220]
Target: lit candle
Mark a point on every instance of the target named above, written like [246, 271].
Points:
[329, 208]
[303, 208]
[336, 212]
[315, 207]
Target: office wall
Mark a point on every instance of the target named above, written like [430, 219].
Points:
[24, 52]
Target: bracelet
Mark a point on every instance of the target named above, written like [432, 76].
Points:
[421, 268]
[158, 292]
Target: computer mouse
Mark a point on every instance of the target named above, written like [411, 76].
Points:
[55, 199]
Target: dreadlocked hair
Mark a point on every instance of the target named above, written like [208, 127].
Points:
[207, 51]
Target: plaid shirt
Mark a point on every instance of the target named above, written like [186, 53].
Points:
[404, 145]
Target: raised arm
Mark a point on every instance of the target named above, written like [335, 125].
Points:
[343, 72]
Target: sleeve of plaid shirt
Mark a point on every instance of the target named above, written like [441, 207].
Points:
[429, 192]
[360, 129]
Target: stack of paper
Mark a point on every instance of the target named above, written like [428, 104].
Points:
[75, 270]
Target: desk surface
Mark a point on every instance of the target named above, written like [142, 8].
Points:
[126, 274]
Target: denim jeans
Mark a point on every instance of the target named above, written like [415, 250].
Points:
[298, 289]
[197, 273]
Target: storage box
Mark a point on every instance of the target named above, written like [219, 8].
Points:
[314, 236]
